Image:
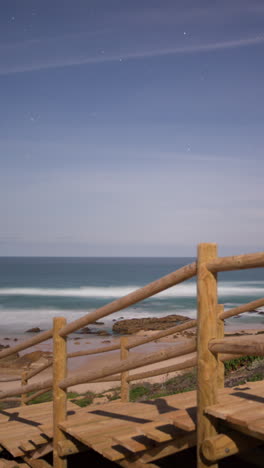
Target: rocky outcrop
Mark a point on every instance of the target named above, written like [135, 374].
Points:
[160, 323]
[26, 361]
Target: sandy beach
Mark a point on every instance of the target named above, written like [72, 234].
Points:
[92, 362]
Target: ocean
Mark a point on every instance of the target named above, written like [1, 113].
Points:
[35, 289]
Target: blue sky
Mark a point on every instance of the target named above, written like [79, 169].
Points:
[131, 128]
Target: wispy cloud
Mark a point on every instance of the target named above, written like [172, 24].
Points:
[37, 55]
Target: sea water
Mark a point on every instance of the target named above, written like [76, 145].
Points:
[35, 289]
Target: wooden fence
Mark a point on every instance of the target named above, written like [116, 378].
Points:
[211, 348]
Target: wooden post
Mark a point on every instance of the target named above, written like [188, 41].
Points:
[206, 361]
[124, 375]
[24, 381]
[59, 395]
[220, 333]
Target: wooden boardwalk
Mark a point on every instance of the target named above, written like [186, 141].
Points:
[223, 422]
[134, 432]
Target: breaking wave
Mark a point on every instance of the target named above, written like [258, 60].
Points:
[183, 290]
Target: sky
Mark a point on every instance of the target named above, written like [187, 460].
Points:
[131, 128]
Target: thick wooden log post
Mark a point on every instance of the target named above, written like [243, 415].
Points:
[124, 375]
[206, 362]
[59, 395]
[220, 333]
[24, 381]
[225, 445]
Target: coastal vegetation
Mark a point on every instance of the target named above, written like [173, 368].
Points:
[237, 372]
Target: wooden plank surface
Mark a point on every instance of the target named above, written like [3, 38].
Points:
[243, 407]
[21, 429]
[119, 430]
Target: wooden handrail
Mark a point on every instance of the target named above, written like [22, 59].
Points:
[35, 395]
[161, 334]
[164, 370]
[27, 388]
[10, 379]
[138, 341]
[245, 345]
[26, 344]
[191, 362]
[236, 262]
[39, 369]
[129, 364]
[242, 308]
[139, 295]
[88, 352]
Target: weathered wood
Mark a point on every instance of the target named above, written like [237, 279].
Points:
[27, 388]
[131, 363]
[161, 334]
[59, 394]
[206, 330]
[164, 370]
[220, 333]
[169, 448]
[236, 262]
[37, 463]
[130, 444]
[39, 369]
[68, 447]
[10, 379]
[138, 341]
[245, 345]
[225, 445]
[24, 381]
[134, 464]
[242, 308]
[101, 349]
[124, 353]
[47, 384]
[155, 287]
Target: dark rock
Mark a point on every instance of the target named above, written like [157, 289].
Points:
[160, 323]
[106, 341]
[24, 361]
[33, 330]
[86, 330]
[4, 347]
[98, 323]
[103, 333]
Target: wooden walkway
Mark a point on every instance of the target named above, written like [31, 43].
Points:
[224, 422]
[134, 432]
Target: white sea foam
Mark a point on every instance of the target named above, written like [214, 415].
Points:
[182, 290]
[19, 320]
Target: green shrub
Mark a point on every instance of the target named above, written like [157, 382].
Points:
[138, 392]
[234, 364]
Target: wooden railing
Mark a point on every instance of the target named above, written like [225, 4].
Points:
[210, 346]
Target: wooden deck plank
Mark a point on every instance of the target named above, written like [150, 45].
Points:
[247, 415]
[130, 443]
[257, 427]
[117, 430]
[21, 428]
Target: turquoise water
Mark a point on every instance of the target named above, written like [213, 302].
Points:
[33, 290]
